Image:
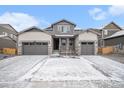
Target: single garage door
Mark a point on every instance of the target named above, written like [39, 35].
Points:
[87, 48]
[35, 48]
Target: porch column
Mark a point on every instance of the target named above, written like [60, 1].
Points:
[67, 45]
[59, 44]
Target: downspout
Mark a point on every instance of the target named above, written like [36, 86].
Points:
[103, 38]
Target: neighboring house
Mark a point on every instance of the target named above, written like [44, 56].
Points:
[106, 31]
[8, 36]
[61, 37]
[117, 41]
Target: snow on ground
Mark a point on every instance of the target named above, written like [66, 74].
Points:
[2, 56]
[113, 69]
[12, 68]
[44, 71]
[56, 69]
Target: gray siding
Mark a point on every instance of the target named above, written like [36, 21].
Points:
[9, 31]
[114, 41]
[6, 43]
[110, 32]
[55, 28]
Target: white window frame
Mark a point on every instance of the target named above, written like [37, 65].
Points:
[105, 32]
[64, 28]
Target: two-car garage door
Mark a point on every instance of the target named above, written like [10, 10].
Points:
[87, 48]
[35, 48]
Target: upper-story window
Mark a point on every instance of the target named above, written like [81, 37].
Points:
[64, 28]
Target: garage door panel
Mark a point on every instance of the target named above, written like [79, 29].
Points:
[84, 48]
[90, 49]
[87, 48]
[35, 48]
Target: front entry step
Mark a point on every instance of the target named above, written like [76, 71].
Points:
[56, 53]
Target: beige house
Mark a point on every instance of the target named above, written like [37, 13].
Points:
[61, 37]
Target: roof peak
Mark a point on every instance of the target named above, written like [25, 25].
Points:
[112, 22]
[65, 20]
[8, 26]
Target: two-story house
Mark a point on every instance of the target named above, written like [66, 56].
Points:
[61, 37]
[8, 36]
[107, 31]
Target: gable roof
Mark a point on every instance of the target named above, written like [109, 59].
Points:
[48, 28]
[112, 25]
[95, 31]
[63, 20]
[117, 34]
[90, 30]
[30, 28]
[9, 27]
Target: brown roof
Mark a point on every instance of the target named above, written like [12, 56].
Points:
[112, 25]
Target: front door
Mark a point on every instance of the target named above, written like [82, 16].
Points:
[56, 43]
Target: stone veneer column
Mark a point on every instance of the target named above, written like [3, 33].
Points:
[67, 45]
[59, 43]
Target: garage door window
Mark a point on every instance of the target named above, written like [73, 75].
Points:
[45, 43]
[32, 43]
[38, 43]
[87, 48]
[83, 43]
[25, 43]
[90, 43]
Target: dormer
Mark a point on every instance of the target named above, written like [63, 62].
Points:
[63, 26]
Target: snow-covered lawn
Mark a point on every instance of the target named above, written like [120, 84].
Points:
[44, 71]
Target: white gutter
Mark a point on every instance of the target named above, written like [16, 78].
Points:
[64, 35]
[3, 36]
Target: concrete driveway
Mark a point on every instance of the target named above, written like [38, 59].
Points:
[44, 71]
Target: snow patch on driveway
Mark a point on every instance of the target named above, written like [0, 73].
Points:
[56, 69]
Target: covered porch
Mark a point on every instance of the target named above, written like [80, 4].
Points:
[64, 44]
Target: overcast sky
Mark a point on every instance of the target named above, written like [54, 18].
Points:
[92, 16]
